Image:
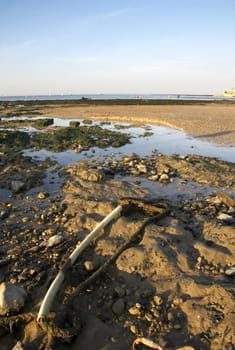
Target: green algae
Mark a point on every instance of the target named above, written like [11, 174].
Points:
[13, 141]
[62, 138]
[36, 123]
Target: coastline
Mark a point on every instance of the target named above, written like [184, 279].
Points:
[212, 122]
[177, 230]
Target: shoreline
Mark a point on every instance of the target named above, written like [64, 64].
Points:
[211, 122]
[178, 217]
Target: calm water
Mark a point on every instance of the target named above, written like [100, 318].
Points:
[165, 140]
[117, 96]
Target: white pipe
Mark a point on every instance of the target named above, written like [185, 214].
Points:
[52, 291]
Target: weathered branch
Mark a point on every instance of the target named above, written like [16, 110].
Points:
[55, 286]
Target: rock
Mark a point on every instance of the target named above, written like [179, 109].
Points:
[134, 329]
[164, 178]
[42, 195]
[142, 168]
[17, 186]
[224, 198]
[54, 240]
[4, 214]
[90, 265]
[135, 310]
[118, 307]
[154, 177]
[93, 175]
[12, 298]
[18, 346]
[230, 271]
[224, 217]
[157, 300]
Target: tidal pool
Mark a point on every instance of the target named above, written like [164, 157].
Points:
[163, 140]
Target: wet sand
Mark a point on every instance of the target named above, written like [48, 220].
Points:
[213, 122]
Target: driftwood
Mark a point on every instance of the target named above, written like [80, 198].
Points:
[155, 211]
[133, 240]
[55, 286]
[125, 204]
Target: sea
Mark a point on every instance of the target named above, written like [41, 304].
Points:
[199, 97]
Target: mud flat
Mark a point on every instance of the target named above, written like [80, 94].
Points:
[173, 284]
[214, 122]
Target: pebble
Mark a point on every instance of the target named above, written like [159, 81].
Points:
[18, 346]
[224, 217]
[90, 265]
[25, 219]
[133, 329]
[142, 168]
[157, 300]
[54, 240]
[230, 271]
[12, 298]
[134, 311]
[118, 307]
[164, 177]
[42, 195]
[4, 214]
[154, 177]
[16, 185]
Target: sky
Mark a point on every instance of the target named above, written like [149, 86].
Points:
[116, 46]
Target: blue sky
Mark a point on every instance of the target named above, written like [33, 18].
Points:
[116, 46]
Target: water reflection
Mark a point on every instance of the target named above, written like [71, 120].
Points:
[165, 140]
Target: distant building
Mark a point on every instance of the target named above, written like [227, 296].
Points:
[229, 93]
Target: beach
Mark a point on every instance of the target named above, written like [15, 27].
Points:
[213, 122]
[161, 272]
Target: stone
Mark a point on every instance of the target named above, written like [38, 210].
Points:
[230, 271]
[118, 307]
[42, 195]
[90, 265]
[134, 329]
[224, 217]
[157, 300]
[17, 186]
[142, 168]
[12, 298]
[164, 178]
[154, 177]
[224, 198]
[54, 240]
[18, 346]
[134, 311]
[93, 175]
[4, 214]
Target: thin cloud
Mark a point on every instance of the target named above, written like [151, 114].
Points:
[108, 15]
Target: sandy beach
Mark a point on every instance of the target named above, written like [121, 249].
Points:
[214, 122]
